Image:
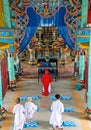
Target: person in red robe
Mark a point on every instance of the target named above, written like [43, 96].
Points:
[46, 81]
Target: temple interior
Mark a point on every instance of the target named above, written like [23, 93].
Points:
[36, 35]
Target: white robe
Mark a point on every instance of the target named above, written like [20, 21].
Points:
[30, 108]
[57, 108]
[19, 119]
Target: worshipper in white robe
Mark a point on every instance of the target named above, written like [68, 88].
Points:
[19, 118]
[30, 109]
[57, 109]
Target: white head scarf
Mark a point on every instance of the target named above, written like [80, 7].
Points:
[29, 98]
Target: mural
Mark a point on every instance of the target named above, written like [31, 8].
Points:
[7, 36]
[46, 11]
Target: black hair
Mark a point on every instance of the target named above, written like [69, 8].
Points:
[57, 96]
[17, 100]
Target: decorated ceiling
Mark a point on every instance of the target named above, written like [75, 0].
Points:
[28, 15]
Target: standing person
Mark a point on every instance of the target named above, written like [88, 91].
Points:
[19, 119]
[30, 109]
[57, 109]
[46, 82]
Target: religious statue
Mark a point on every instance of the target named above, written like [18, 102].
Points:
[32, 54]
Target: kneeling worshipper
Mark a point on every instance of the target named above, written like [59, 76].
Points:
[19, 118]
[57, 108]
[30, 109]
[46, 83]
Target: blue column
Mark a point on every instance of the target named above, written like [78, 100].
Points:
[6, 13]
[1, 100]
[78, 64]
[81, 67]
[81, 71]
[88, 109]
[84, 13]
[89, 75]
[11, 71]
[77, 47]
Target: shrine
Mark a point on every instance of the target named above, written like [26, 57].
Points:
[40, 35]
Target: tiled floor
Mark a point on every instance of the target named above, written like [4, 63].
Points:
[64, 86]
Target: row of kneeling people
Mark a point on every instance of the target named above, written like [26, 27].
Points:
[27, 112]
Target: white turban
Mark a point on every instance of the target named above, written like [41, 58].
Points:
[29, 98]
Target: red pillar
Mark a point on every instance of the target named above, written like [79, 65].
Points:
[89, 13]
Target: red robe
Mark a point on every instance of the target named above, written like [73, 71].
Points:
[46, 80]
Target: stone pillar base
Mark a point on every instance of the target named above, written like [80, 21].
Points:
[88, 113]
[3, 115]
[12, 85]
[79, 85]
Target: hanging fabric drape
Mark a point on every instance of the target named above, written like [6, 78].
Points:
[35, 20]
[29, 33]
[63, 31]
[30, 28]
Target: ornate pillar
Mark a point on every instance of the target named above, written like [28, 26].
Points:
[8, 37]
[1, 100]
[88, 110]
[77, 54]
[81, 67]
[6, 10]
[12, 80]
[84, 13]
[77, 61]
[81, 71]
[84, 6]
[2, 109]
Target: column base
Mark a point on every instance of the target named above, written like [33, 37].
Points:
[79, 85]
[88, 113]
[12, 85]
[3, 115]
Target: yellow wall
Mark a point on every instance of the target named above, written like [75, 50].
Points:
[1, 15]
